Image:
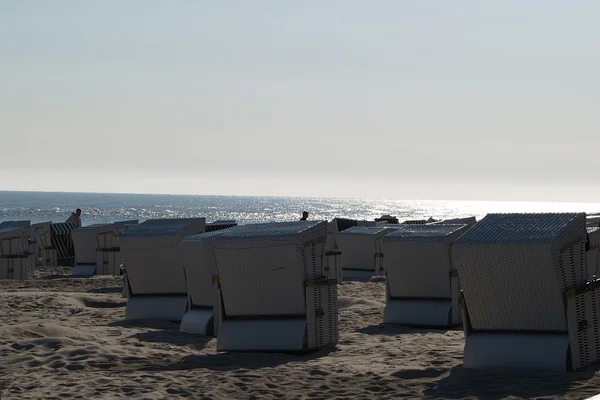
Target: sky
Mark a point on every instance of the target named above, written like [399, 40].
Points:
[462, 100]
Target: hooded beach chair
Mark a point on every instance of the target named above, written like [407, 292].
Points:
[422, 287]
[61, 251]
[200, 269]
[361, 256]
[87, 248]
[273, 289]
[154, 277]
[527, 302]
[108, 252]
[14, 252]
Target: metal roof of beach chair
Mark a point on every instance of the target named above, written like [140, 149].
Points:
[421, 286]
[154, 277]
[198, 261]
[525, 295]
[361, 251]
[274, 290]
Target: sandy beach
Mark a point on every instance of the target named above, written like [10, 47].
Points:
[66, 338]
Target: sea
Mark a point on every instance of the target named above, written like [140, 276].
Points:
[110, 207]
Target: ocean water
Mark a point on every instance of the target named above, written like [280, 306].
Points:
[108, 207]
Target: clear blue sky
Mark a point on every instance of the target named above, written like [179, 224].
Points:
[385, 99]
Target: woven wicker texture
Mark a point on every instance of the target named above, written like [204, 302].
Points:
[359, 246]
[198, 259]
[262, 267]
[150, 253]
[583, 315]
[514, 269]
[178, 227]
[85, 241]
[426, 233]
[366, 230]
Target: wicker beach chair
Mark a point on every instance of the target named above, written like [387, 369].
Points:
[14, 252]
[86, 246]
[153, 275]
[273, 289]
[200, 269]
[527, 299]
[422, 287]
[361, 256]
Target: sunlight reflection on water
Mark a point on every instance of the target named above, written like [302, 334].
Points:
[98, 208]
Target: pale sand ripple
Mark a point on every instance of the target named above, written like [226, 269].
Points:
[65, 338]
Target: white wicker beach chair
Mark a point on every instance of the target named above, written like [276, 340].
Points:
[27, 244]
[361, 256]
[153, 274]
[273, 289]
[39, 239]
[527, 302]
[422, 287]
[200, 269]
[86, 245]
[108, 252]
[14, 253]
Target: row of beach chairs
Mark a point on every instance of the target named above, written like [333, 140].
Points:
[523, 286]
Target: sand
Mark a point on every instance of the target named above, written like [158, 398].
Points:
[66, 338]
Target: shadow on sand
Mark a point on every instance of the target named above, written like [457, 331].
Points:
[232, 361]
[107, 290]
[395, 329]
[501, 383]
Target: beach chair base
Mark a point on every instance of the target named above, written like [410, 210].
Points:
[535, 351]
[198, 320]
[157, 308]
[317, 329]
[84, 270]
[419, 312]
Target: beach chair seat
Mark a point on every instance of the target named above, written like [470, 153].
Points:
[155, 281]
[273, 289]
[14, 253]
[526, 297]
[200, 270]
[422, 286]
[361, 257]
